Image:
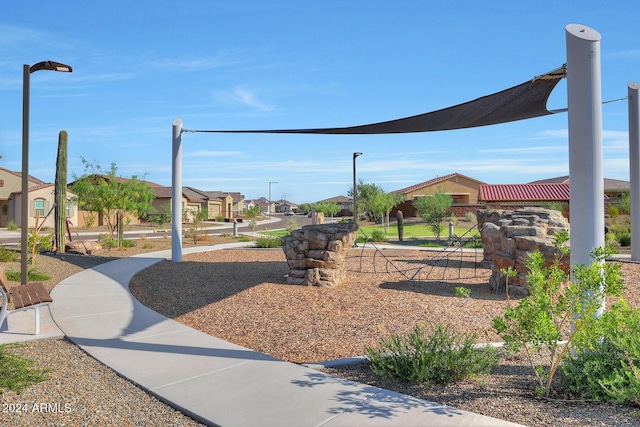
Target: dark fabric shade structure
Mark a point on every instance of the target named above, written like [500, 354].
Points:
[525, 101]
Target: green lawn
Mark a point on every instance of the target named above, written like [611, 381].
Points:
[417, 230]
[276, 233]
[410, 231]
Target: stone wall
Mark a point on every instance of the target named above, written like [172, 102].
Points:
[316, 253]
[508, 236]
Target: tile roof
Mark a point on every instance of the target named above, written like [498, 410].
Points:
[524, 192]
[609, 183]
[432, 182]
[338, 199]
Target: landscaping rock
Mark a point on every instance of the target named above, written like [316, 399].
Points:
[83, 247]
[316, 253]
[508, 236]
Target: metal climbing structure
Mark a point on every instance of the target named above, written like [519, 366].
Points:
[462, 258]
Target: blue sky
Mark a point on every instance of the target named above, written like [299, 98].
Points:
[138, 65]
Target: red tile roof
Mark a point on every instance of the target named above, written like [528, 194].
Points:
[524, 192]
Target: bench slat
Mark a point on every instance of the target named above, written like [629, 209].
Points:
[41, 291]
[30, 294]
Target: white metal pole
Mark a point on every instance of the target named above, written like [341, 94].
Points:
[586, 178]
[634, 166]
[176, 193]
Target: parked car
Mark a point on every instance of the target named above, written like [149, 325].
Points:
[289, 213]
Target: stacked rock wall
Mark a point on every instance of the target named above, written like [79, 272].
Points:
[316, 253]
[509, 236]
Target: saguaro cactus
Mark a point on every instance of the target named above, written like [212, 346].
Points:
[400, 220]
[60, 212]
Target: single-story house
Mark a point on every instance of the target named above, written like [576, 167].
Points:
[463, 190]
[226, 204]
[263, 202]
[283, 206]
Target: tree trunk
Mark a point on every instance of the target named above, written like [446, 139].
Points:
[60, 196]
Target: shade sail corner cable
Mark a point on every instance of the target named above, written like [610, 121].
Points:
[525, 101]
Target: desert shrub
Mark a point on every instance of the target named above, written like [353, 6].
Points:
[268, 242]
[442, 357]
[292, 225]
[538, 321]
[470, 216]
[127, 243]
[219, 218]
[89, 220]
[622, 232]
[606, 363]
[377, 236]
[7, 255]
[107, 242]
[12, 226]
[474, 242]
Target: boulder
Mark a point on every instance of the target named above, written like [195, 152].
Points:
[316, 253]
[83, 247]
[509, 236]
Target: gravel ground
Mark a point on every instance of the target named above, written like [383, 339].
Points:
[241, 296]
[80, 391]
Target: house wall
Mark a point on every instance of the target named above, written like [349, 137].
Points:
[45, 195]
[463, 190]
[10, 183]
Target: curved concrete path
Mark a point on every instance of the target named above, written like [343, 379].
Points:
[214, 381]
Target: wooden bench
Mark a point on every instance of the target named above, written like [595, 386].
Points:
[24, 297]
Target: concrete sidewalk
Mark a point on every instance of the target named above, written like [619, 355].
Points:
[212, 380]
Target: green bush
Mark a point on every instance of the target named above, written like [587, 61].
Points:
[33, 275]
[614, 212]
[7, 255]
[377, 236]
[268, 242]
[470, 216]
[11, 226]
[127, 243]
[442, 357]
[474, 242]
[536, 324]
[606, 364]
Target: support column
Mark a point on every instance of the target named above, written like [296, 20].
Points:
[634, 167]
[176, 193]
[586, 178]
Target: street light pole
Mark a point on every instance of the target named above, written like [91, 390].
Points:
[24, 198]
[269, 207]
[355, 190]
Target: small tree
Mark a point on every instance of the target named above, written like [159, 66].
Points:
[112, 197]
[252, 212]
[198, 216]
[433, 209]
[327, 208]
[538, 321]
[160, 217]
[381, 204]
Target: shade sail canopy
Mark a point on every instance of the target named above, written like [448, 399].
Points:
[525, 101]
